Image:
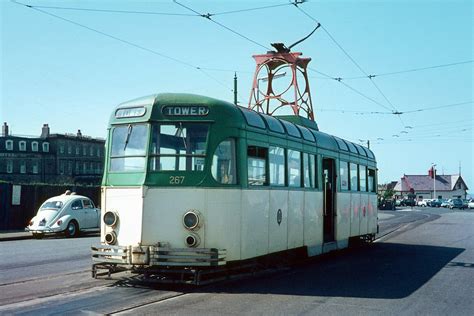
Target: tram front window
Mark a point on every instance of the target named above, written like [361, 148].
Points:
[128, 148]
[178, 147]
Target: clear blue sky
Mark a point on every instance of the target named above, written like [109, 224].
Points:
[70, 77]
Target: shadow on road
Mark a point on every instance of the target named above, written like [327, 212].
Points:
[382, 270]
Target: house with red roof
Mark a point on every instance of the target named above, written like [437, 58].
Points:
[427, 187]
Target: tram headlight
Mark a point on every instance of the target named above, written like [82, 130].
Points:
[192, 240]
[192, 220]
[110, 238]
[110, 218]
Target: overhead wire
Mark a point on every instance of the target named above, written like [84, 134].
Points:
[410, 70]
[103, 10]
[252, 9]
[208, 17]
[154, 12]
[296, 3]
[398, 113]
[350, 87]
[200, 69]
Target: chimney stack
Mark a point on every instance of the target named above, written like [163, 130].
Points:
[5, 129]
[45, 131]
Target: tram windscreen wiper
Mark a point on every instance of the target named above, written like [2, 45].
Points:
[179, 132]
[129, 132]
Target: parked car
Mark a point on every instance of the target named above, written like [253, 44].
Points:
[456, 203]
[67, 214]
[435, 203]
[408, 202]
[470, 204]
[445, 203]
[423, 203]
[465, 203]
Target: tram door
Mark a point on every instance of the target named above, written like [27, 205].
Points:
[329, 181]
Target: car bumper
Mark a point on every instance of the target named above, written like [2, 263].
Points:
[157, 256]
[44, 230]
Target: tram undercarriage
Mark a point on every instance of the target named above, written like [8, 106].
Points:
[209, 265]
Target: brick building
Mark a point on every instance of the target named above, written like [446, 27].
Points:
[51, 158]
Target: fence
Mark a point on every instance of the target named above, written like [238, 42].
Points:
[19, 203]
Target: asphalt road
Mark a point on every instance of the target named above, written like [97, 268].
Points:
[423, 263]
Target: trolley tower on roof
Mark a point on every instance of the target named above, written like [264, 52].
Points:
[281, 81]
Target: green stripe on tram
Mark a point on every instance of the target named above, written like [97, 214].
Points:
[175, 139]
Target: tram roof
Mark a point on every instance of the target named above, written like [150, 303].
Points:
[293, 126]
[151, 107]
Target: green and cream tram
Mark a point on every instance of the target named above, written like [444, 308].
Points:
[192, 181]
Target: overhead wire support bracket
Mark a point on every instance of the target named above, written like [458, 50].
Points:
[296, 2]
[208, 17]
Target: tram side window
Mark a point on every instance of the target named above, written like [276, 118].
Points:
[354, 181]
[294, 168]
[314, 171]
[277, 166]
[257, 165]
[363, 178]
[308, 171]
[371, 180]
[224, 164]
[344, 175]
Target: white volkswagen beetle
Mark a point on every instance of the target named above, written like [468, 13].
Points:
[67, 213]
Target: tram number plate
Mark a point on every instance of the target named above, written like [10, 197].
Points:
[176, 179]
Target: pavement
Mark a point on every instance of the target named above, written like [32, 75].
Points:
[7, 235]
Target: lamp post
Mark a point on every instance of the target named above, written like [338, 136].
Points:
[434, 180]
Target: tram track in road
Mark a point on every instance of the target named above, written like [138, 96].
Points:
[400, 226]
[47, 288]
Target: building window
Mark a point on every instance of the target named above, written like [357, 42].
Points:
[91, 151]
[9, 166]
[84, 150]
[61, 167]
[69, 149]
[35, 167]
[9, 144]
[69, 167]
[22, 145]
[78, 150]
[61, 149]
[84, 167]
[98, 151]
[34, 146]
[46, 147]
[22, 167]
